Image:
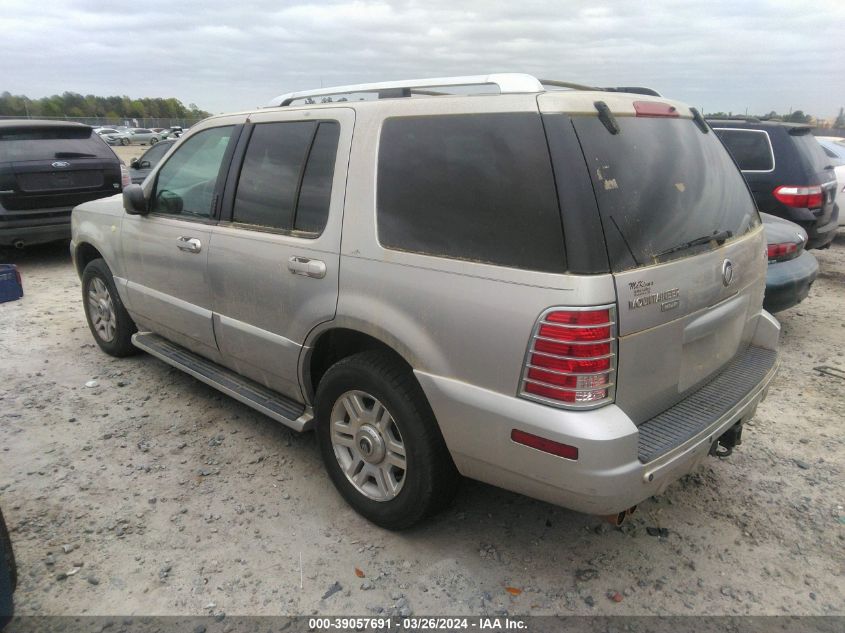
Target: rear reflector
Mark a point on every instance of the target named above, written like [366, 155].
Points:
[655, 108]
[571, 359]
[542, 444]
[782, 252]
[802, 197]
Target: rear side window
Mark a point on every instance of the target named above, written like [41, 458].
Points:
[660, 184]
[809, 147]
[472, 187]
[751, 149]
[50, 143]
[286, 177]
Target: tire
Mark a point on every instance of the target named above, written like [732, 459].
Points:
[8, 574]
[379, 386]
[153, 141]
[108, 320]
[124, 141]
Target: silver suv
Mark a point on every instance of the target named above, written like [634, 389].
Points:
[552, 289]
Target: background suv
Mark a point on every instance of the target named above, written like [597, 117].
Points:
[787, 171]
[558, 292]
[47, 168]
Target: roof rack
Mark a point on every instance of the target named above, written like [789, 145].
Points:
[507, 83]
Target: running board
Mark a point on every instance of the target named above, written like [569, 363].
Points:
[252, 394]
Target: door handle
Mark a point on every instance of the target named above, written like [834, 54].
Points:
[189, 244]
[299, 265]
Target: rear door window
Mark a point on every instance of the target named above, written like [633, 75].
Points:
[661, 183]
[752, 149]
[285, 182]
[50, 143]
[472, 187]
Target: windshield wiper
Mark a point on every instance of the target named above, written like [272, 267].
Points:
[717, 236]
[74, 155]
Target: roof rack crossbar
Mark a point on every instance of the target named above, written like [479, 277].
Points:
[508, 83]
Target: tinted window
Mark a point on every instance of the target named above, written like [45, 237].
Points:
[51, 143]
[751, 149]
[473, 187]
[155, 153]
[271, 173]
[185, 184]
[312, 210]
[660, 183]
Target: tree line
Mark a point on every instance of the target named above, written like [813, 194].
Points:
[798, 116]
[73, 105]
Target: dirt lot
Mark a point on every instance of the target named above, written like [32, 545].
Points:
[131, 488]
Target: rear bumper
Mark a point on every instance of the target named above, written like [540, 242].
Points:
[821, 236]
[35, 230]
[608, 475]
[788, 283]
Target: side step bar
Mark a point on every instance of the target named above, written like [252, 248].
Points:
[252, 394]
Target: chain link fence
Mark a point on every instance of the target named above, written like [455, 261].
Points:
[147, 122]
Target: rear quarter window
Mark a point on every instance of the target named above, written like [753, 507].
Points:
[751, 149]
[471, 187]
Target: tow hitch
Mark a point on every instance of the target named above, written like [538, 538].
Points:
[724, 446]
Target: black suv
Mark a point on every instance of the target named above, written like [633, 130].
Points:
[787, 171]
[46, 169]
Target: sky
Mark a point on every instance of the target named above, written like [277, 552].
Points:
[758, 55]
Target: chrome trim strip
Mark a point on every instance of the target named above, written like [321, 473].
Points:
[556, 340]
[577, 327]
[566, 373]
[548, 355]
[600, 387]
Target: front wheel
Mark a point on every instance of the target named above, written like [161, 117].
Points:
[153, 140]
[124, 141]
[108, 320]
[380, 442]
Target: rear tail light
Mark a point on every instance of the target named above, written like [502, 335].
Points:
[571, 359]
[782, 252]
[803, 197]
[125, 177]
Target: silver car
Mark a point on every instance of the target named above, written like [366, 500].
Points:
[553, 289]
[143, 136]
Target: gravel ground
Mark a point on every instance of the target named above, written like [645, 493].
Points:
[131, 488]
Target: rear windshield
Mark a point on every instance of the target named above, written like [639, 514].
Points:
[660, 184]
[18, 144]
[813, 153]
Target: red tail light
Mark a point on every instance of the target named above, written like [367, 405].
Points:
[781, 252]
[571, 359]
[655, 108]
[804, 197]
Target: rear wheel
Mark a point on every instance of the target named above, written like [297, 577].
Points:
[124, 141]
[108, 320]
[380, 442]
[153, 140]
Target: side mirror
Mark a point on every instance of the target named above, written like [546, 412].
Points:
[134, 201]
[144, 164]
[134, 163]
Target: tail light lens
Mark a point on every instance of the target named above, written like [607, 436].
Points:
[125, 177]
[782, 252]
[655, 108]
[803, 197]
[571, 359]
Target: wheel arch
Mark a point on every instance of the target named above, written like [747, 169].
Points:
[334, 344]
[85, 253]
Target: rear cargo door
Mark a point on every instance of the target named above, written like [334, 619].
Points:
[54, 167]
[685, 246]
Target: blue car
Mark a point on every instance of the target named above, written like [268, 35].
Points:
[792, 270]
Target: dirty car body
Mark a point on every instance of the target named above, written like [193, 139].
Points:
[582, 325]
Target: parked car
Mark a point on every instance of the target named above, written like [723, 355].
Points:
[787, 171]
[494, 285]
[47, 168]
[834, 148]
[8, 574]
[116, 137]
[143, 136]
[139, 168]
[792, 269]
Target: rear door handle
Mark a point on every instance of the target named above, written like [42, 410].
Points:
[189, 244]
[299, 265]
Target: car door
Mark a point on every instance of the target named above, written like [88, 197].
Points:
[166, 251]
[274, 257]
